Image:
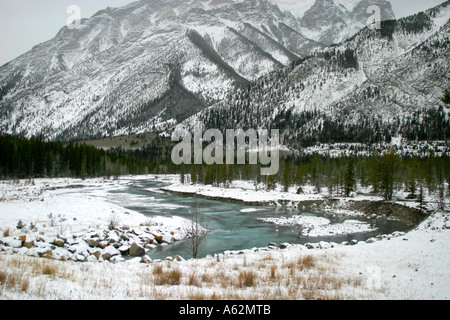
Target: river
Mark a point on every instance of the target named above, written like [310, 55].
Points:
[231, 226]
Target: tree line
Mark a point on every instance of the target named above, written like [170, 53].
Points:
[35, 158]
[379, 174]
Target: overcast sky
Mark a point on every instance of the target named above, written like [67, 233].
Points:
[26, 23]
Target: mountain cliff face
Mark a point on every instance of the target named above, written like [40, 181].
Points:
[331, 22]
[153, 63]
[377, 85]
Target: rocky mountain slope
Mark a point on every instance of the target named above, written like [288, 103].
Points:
[153, 63]
[377, 85]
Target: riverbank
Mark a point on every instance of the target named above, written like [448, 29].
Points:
[415, 265]
[246, 193]
[72, 219]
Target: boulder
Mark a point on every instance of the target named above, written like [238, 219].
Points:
[167, 238]
[28, 244]
[136, 250]
[371, 240]
[103, 244]
[324, 245]
[109, 252]
[124, 249]
[146, 259]
[158, 237]
[96, 254]
[92, 242]
[116, 259]
[11, 242]
[58, 242]
[92, 258]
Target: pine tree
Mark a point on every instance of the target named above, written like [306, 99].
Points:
[420, 198]
[446, 98]
[349, 179]
[388, 167]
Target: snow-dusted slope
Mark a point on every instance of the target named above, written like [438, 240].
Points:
[133, 68]
[333, 21]
[152, 63]
[374, 86]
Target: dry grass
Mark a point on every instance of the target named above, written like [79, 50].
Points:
[171, 277]
[265, 276]
[247, 279]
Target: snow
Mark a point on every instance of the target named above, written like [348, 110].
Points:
[415, 265]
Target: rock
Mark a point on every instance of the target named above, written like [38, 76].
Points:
[136, 250]
[371, 240]
[146, 238]
[92, 258]
[178, 258]
[92, 242]
[124, 249]
[93, 234]
[109, 252]
[353, 242]
[158, 237]
[324, 245]
[58, 242]
[103, 244]
[146, 259]
[398, 234]
[70, 240]
[28, 244]
[45, 253]
[167, 238]
[80, 257]
[11, 242]
[114, 236]
[283, 245]
[23, 238]
[137, 231]
[96, 254]
[116, 259]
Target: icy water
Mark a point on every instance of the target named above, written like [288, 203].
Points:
[230, 227]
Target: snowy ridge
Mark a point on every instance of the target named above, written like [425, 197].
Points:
[136, 68]
[368, 89]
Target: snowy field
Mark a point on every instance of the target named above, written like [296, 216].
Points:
[415, 265]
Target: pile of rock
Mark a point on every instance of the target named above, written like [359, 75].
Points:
[105, 245]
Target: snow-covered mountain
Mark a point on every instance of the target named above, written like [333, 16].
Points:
[374, 86]
[331, 22]
[151, 63]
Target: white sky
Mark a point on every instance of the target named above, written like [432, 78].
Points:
[26, 23]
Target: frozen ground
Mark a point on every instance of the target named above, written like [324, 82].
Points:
[415, 265]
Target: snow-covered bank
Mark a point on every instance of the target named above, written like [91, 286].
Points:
[71, 219]
[415, 265]
[358, 205]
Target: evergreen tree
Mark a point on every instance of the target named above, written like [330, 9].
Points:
[446, 98]
[388, 167]
[349, 180]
